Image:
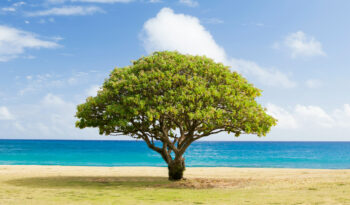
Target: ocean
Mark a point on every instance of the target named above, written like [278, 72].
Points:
[315, 155]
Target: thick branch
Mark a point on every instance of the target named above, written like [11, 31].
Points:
[165, 137]
[150, 144]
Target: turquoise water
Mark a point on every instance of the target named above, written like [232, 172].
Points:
[324, 155]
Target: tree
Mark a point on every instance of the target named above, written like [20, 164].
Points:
[174, 99]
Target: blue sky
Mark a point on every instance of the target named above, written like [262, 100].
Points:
[55, 53]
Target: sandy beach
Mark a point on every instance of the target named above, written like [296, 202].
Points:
[149, 185]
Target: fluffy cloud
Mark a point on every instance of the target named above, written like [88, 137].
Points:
[14, 42]
[68, 11]
[5, 114]
[301, 45]
[190, 3]
[285, 119]
[184, 33]
[169, 31]
[310, 117]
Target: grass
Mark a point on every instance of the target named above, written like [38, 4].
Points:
[136, 185]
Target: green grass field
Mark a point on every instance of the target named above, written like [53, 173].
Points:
[136, 185]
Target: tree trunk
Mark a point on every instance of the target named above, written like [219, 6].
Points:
[176, 169]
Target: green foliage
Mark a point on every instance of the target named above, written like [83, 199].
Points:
[168, 93]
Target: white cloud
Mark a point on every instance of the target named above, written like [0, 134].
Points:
[8, 9]
[14, 7]
[310, 118]
[18, 4]
[14, 42]
[92, 91]
[45, 105]
[190, 3]
[68, 11]
[184, 33]
[270, 77]
[313, 115]
[5, 114]
[52, 114]
[300, 44]
[313, 83]
[285, 119]
[37, 82]
[342, 116]
[169, 31]
[51, 117]
[92, 1]
[49, 20]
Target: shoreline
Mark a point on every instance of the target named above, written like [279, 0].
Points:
[313, 155]
[165, 166]
[191, 172]
[140, 166]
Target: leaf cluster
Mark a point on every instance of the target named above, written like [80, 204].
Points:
[168, 94]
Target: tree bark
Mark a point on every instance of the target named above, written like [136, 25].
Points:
[176, 169]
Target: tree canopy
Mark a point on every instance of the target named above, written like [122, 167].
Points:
[175, 99]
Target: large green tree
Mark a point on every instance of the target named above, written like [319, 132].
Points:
[174, 99]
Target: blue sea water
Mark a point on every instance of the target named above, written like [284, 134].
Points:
[320, 155]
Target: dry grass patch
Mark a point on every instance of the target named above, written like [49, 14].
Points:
[89, 182]
[204, 183]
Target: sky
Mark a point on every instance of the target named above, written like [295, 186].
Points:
[55, 53]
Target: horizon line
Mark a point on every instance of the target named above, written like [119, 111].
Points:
[195, 141]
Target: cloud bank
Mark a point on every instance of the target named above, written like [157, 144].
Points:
[14, 42]
[310, 117]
